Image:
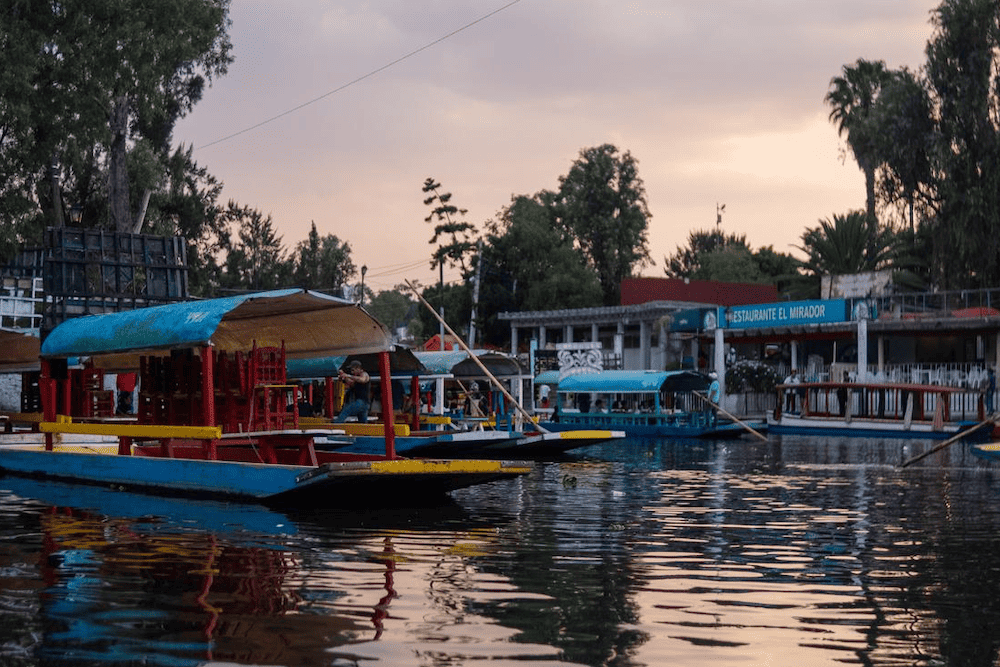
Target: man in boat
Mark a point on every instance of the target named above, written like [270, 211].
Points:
[793, 378]
[357, 398]
[714, 395]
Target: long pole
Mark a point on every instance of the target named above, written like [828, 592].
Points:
[720, 409]
[482, 367]
[953, 439]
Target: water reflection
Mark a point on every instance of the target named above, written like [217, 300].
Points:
[794, 551]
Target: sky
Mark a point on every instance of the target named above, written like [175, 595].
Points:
[336, 112]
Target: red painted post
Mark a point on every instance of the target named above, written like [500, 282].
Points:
[386, 382]
[207, 386]
[47, 389]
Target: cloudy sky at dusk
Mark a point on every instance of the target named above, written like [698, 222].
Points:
[720, 101]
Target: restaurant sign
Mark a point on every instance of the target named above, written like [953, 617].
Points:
[785, 314]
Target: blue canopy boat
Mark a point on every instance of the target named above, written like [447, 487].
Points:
[642, 404]
[472, 439]
[213, 422]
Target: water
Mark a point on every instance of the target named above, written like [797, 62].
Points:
[798, 551]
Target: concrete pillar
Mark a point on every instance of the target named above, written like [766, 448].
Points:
[862, 350]
[881, 354]
[620, 341]
[720, 363]
[541, 336]
[568, 333]
[643, 344]
[513, 339]
[662, 348]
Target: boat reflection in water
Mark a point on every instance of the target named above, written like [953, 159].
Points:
[136, 579]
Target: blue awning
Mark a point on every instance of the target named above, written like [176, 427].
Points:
[633, 382]
[309, 324]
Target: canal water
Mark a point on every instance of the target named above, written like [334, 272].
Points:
[797, 551]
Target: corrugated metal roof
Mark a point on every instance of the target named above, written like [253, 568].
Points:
[309, 323]
[633, 382]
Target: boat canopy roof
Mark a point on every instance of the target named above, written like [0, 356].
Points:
[402, 364]
[441, 363]
[460, 365]
[634, 382]
[547, 377]
[309, 324]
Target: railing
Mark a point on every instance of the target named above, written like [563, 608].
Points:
[929, 304]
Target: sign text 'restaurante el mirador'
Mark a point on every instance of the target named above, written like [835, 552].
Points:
[785, 314]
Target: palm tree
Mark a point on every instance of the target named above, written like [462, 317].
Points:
[852, 99]
[843, 245]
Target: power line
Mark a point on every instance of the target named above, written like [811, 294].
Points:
[364, 76]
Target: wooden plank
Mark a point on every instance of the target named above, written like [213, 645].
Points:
[134, 430]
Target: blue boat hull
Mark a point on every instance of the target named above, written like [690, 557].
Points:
[333, 484]
[479, 444]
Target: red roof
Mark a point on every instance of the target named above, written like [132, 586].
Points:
[643, 290]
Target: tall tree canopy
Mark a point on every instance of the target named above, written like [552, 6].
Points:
[852, 98]
[256, 260]
[934, 138]
[455, 237]
[322, 262]
[602, 203]
[84, 83]
[840, 246]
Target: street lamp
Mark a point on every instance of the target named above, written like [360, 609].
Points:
[364, 270]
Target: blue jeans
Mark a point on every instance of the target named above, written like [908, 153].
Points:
[356, 407]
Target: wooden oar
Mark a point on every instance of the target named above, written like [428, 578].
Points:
[743, 424]
[953, 439]
[482, 366]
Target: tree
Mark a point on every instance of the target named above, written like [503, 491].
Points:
[531, 263]
[840, 246]
[461, 233]
[963, 58]
[395, 309]
[601, 202]
[852, 98]
[87, 80]
[256, 260]
[322, 263]
[187, 204]
[687, 261]
[903, 131]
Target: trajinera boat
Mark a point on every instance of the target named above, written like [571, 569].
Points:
[217, 415]
[654, 404]
[879, 409]
[447, 437]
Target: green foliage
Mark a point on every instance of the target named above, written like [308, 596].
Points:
[322, 262]
[712, 255]
[687, 261]
[601, 202]
[83, 80]
[256, 259]
[457, 303]
[846, 244]
[852, 98]
[461, 242]
[395, 309]
[751, 376]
